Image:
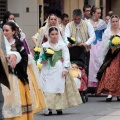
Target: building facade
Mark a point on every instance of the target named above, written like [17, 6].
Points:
[65, 6]
[113, 5]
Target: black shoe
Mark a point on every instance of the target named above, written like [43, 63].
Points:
[118, 98]
[108, 99]
[48, 114]
[59, 112]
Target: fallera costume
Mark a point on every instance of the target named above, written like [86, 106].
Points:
[34, 82]
[60, 92]
[3, 71]
[43, 37]
[25, 93]
[17, 101]
[108, 74]
[94, 64]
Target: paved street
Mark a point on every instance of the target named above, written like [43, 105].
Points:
[95, 109]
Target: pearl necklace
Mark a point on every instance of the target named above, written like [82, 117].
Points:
[95, 20]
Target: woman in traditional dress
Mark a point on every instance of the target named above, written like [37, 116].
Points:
[17, 100]
[57, 84]
[108, 74]
[14, 56]
[99, 27]
[41, 37]
[38, 101]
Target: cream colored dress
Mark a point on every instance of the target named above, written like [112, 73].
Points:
[60, 92]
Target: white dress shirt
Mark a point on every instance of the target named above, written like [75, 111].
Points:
[91, 34]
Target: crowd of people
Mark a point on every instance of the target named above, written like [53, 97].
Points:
[26, 90]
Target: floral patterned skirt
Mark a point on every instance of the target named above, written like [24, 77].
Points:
[110, 82]
[69, 98]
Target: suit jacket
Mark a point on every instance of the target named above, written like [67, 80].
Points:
[4, 74]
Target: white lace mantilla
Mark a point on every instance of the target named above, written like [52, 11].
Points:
[12, 101]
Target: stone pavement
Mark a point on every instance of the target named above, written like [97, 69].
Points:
[95, 109]
[112, 116]
[110, 113]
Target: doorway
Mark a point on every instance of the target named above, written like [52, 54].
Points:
[53, 6]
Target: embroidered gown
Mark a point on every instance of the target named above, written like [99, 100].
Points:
[60, 92]
[110, 77]
[38, 100]
[28, 95]
[17, 100]
[94, 64]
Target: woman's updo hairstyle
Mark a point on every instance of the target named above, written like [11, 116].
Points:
[51, 15]
[51, 29]
[94, 9]
[114, 16]
[17, 35]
